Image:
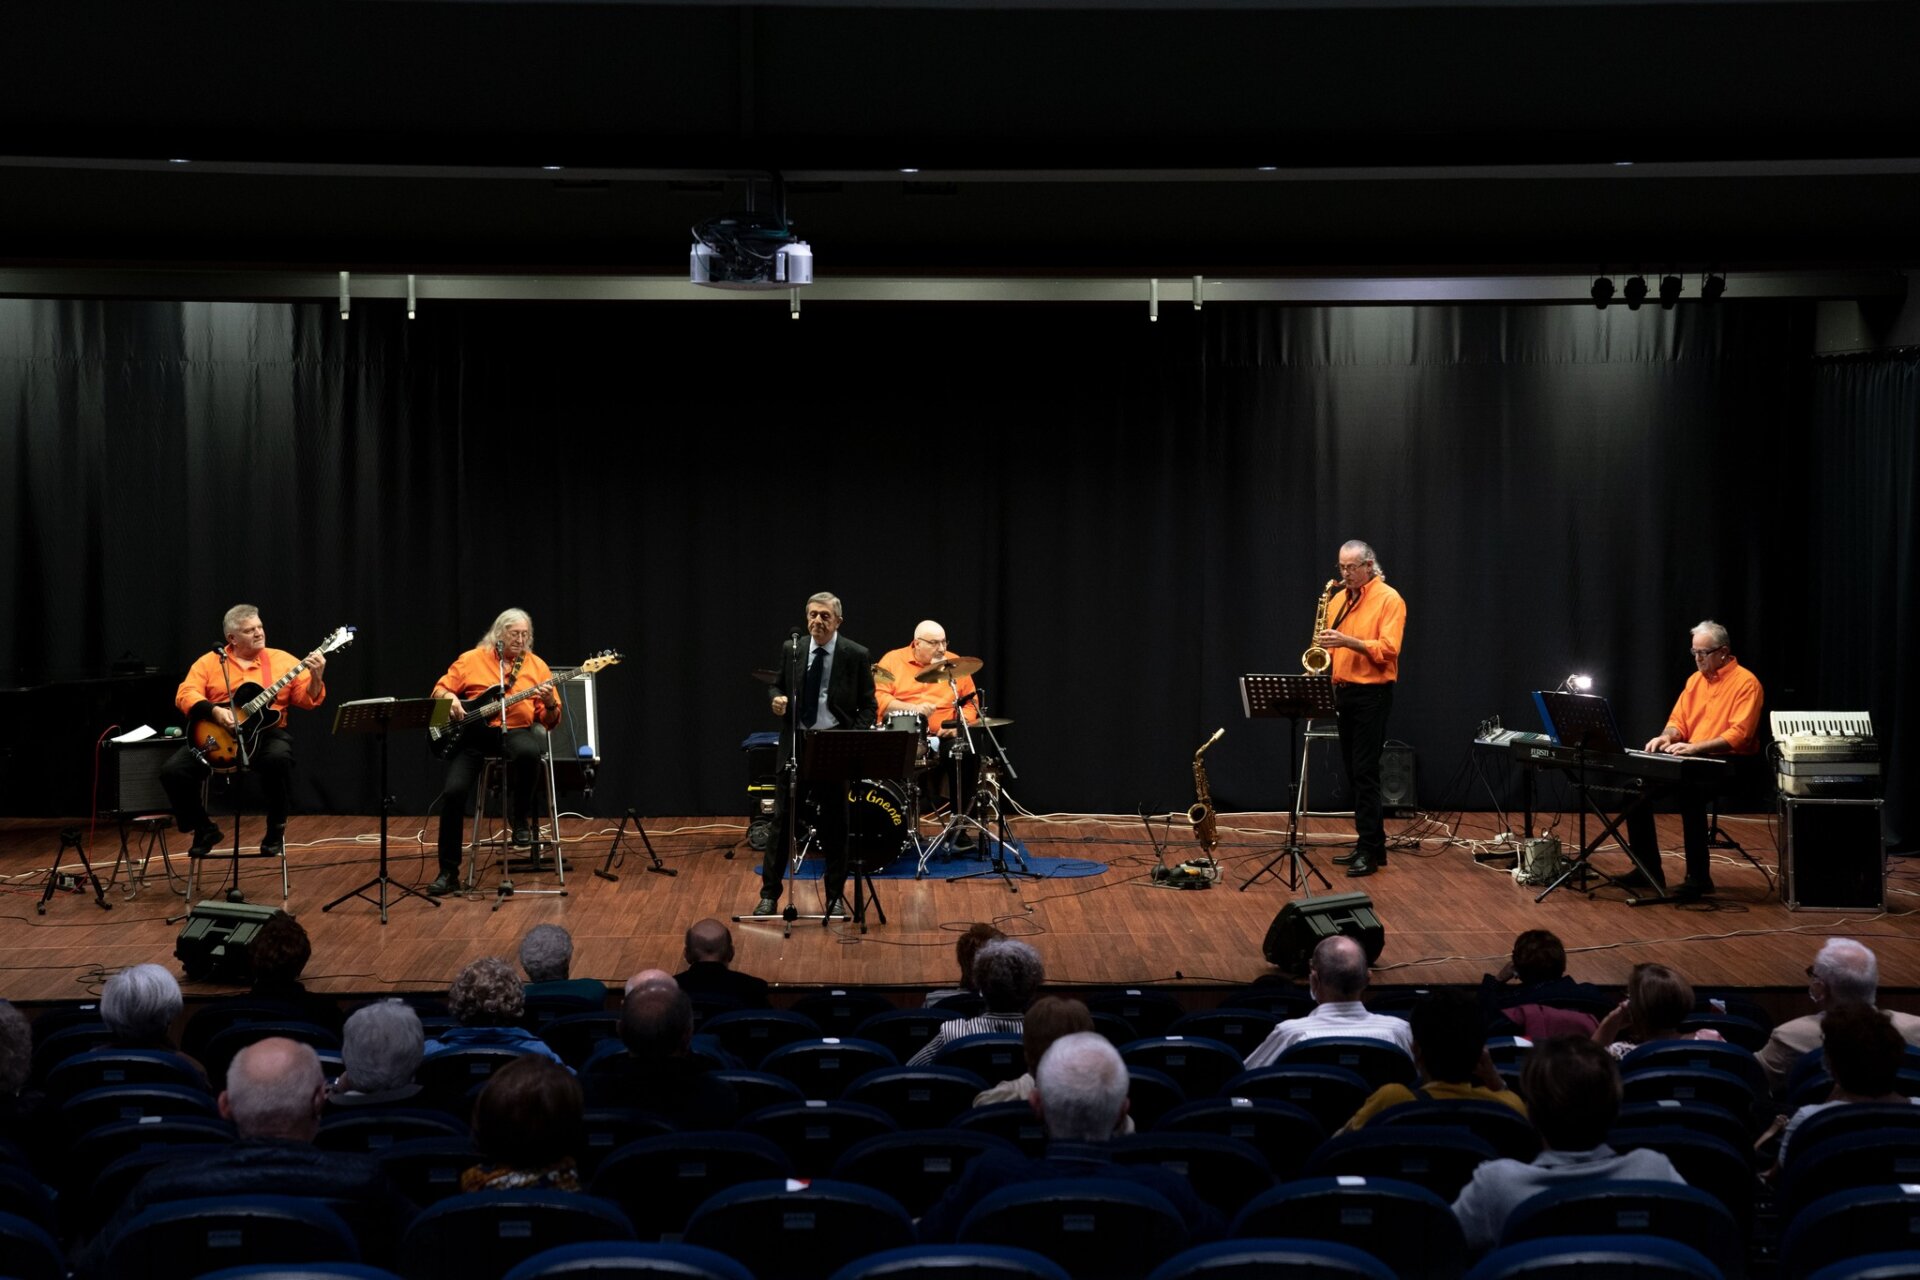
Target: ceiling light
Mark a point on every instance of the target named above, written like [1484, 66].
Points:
[1602, 292]
[1712, 286]
[1636, 292]
[1669, 291]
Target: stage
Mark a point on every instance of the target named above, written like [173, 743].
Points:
[1448, 917]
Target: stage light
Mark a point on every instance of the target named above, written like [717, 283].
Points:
[346, 295]
[1602, 292]
[1636, 292]
[1153, 298]
[1577, 683]
[1712, 286]
[1199, 291]
[793, 303]
[412, 299]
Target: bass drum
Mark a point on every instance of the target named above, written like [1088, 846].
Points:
[879, 821]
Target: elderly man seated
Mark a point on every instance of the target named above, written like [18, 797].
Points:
[546, 956]
[1008, 974]
[1844, 973]
[1336, 978]
[379, 1052]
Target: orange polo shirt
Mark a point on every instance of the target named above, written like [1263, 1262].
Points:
[1378, 620]
[904, 693]
[1724, 705]
[478, 670]
[205, 683]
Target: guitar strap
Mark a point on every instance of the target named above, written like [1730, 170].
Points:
[506, 690]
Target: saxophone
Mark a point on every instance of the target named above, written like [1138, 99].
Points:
[1201, 814]
[1316, 660]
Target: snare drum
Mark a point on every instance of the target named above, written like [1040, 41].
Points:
[900, 720]
[878, 823]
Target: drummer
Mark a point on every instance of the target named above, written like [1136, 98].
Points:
[902, 685]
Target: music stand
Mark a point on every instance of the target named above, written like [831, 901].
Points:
[1584, 721]
[844, 756]
[1292, 697]
[383, 716]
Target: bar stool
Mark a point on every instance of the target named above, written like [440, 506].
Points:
[1322, 733]
[153, 838]
[493, 779]
[223, 852]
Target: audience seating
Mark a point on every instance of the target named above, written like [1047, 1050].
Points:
[103, 1067]
[953, 1262]
[1223, 1171]
[427, 1170]
[76, 1038]
[1689, 1085]
[607, 1129]
[757, 1089]
[542, 1011]
[1818, 1087]
[1899, 1264]
[25, 1196]
[1844, 1162]
[1151, 1094]
[1266, 1259]
[751, 1034]
[209, 1020]
[1585, 1257]
[1374, 1061]
[481, 1235]
[1628, 1207]
[1500, 1126]
[1284, 1002]
[86, 1213]
[183, 1239]
[1096, 1228]
[917, 1166]
[823, 1068]
[992, 1055]
[1854, 1117]
[1283, 1134]
[1241, 1030]
[1704, 1055]
[1408, 1228]
[666, 1261]
[1113, 1028]
[448, 1079]
[95, 1150]
[1149, 1012]
[1441, 1160]
[1198, 1065]
[1698, 1117]
[904, 1031]
[1329, 1094]
[575, 1036]
[815, 1134]
[917, 1097]
[1014, 1121]
[965, 1004]
[793, 1231]
[30, 1252]
[1847, 1223]
[61, 1016]
[841, 1013]
[1744, 1033]
[86, 1111]
[1722, 1171]
[231, 1040]
[302, 1271]
[378, 1128]
[660, 1181]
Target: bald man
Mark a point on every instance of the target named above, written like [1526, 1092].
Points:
[896, 687]
[709, 971]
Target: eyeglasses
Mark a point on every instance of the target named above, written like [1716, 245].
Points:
[1705, 653]
[941, 643]
[1357, 564]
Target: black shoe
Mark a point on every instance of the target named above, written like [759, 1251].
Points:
[838, 907]
[1692, 890]
[767, 907]
[1342, 859]
[523, 837]
[274, 843]
[448, 882]
[205, 840]
[1360, 866]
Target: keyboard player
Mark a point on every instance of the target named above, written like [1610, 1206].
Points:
[1718, 714]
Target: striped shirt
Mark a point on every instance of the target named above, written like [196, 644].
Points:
[986, 1023]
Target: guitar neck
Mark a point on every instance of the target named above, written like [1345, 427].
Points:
[254, 706]
[498, 705]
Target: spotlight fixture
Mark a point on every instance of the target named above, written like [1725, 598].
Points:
[1153, 298]
[750, 249]
[1602, 292]
[1199, 291]
[413, 297]
[1577, 683]
[1636, 292]
[1669, 291]
[346, 294]
[1712, 286]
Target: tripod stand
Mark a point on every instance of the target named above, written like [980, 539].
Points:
[383, 716]
[1268, 697]
[70, 839]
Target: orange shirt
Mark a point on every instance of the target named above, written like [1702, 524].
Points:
[904, 693]
[206, 683]
[1724, 705]
[478, 670]
[1378, 620]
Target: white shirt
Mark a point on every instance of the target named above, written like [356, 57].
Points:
[1335, 1018]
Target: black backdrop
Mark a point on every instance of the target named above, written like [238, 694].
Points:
[1119, 516]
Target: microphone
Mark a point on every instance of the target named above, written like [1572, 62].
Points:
[966, 698]
[220, 652]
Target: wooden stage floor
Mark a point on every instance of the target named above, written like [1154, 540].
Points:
[1448, 918]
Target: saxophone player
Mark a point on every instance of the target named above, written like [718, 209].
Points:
[1363, 639]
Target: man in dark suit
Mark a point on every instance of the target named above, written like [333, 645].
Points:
[710, 971]
[825, 682]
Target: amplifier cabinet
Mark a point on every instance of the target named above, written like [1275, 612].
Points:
[130, 777]
[1832, 857]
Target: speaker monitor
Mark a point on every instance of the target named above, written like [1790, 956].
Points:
[1833, 859]
[575, 741]
[1302, 926]
[215, 944]
[130, 777]
[1396, 779]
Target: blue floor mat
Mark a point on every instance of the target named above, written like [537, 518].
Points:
[951, 866]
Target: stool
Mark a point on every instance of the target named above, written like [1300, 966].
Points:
[493, 777]
[153, 828]
[1323, 733]
[224, 852]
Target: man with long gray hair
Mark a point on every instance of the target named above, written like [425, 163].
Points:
[501, 664]
[1364, 628]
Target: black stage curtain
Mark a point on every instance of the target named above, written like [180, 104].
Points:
[1119, 516]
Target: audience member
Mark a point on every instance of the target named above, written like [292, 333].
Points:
[279, 954]
[1572, 1086]
[380, 1050]
[546, 956]
[1862, 1053]
[1539, 967]
[1843, 973]
[22, 1110]
[1080, 1094]
[1008, 974]
[528, 1123]
[1658, 1001]
[965, 948]
[1048, 1019]
[656, 1073]
[274, 1096]
[487, 1001]
[1450, 1049]
[709, 971]
[647, 978]
[1336, 978]
[139, 1004]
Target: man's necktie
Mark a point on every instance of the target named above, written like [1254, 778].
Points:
[809, 710]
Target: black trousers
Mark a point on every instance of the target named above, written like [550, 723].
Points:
[523, 750]
[1643, 843]
[1363, 712]
[271, 762]
[827, 803]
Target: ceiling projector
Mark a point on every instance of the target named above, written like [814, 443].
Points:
[751, 250]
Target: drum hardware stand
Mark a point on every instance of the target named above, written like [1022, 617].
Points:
[1293, 698]
[383, 716]
[616, 856]
[70, 839]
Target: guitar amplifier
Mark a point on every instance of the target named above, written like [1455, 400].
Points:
[130, 777]
[1832, 858]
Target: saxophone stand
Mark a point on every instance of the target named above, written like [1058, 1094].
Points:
[383, 716]
[1292, 698]
[70, 839]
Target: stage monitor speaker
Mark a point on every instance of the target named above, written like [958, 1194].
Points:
[1396, 780]
[130, 777]
[216, 942]
[575, 741]
[1302, 926]
[1833, 857]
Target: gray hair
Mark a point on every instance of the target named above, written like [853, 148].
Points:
[1365, 552]
[381, 1046]
[546, 953]
[1851, 972]
[16, 1050]
[487, 993]
[827, 598]
[272, 1085]
[140, 1003]
[491, 636]
[1341, 967]
[1082, 1083]
[1712, 631]
[1008, 973]
[231, 620]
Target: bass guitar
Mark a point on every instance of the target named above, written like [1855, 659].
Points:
[253, 711]
[447, 739]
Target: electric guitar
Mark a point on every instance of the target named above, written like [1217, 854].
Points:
[448, 738]
[253, 711]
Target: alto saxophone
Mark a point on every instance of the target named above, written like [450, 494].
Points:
[1201, 815]
[1316, 660]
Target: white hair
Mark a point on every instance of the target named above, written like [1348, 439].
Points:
[272, 1085]
[1365, 552]
[1082, 1082]
[491, 636]
[546, 953]
[1850, 970]
[381, 1046]
[140, 1003]
[231, 620]
[1712, 631]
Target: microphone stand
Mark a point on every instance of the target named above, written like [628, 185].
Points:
[243, 763]
[787, 846]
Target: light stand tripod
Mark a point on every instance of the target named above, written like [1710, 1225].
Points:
[70, 839]
[382, 716]
[1293, 698]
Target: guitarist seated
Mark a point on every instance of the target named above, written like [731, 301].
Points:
[501, 666]
[244, 666]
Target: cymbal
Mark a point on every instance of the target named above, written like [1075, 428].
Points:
[984, 722]
[765, 676]
[956, 665]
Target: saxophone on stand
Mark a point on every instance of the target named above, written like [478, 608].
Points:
[1202, 872]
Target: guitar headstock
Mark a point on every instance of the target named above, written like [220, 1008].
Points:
[338, 638]
[600, 661]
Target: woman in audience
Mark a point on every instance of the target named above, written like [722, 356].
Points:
[1048, 1019]
[139, 1005]
[527, 1124]
[279, 952]
[1658, 1001]
[379, 1052]
[21, 1109]
[487, 1001]
[1450, 1049]
[965, 948]
[1862, 1052]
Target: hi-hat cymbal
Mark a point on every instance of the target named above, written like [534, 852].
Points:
[984, 722]
[765, 676]
[956, 665]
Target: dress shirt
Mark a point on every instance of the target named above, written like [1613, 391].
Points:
[1378, 620]
[1328, 1021]
[1725, 704]
[205, 682]
[478, 671]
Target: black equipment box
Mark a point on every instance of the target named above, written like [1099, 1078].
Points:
[1832, 856]
[130, 777]
[1301, 926]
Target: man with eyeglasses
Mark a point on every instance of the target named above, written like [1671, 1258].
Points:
[898, 688]
[1718, 714]
[1363, 639]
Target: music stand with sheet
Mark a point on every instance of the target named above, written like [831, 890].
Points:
[1293, 698]
[383, 716]
[1584, 721]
